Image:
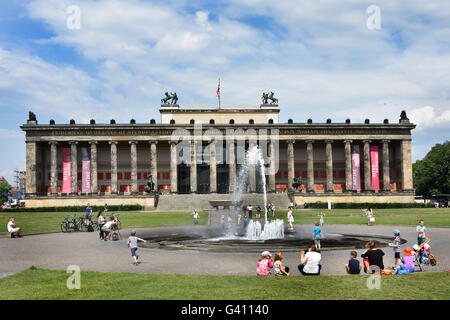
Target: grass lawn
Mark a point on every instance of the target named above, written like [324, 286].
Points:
[37, 222]
[51, 284]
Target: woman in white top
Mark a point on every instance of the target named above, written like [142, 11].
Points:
[310, 262]
[12, 229]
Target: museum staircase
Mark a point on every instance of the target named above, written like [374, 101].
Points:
[188, 202]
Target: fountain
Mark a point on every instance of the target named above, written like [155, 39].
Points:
[259, 234]
[255, 231]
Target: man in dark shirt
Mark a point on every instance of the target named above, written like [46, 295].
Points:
[353, 266]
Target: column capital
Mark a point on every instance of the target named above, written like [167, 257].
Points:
[367, 141]
[153, 141]
[133, 142]
[348, 141]
[385, 141]
[328, 141]
[309, 141]
[73, 142]
[112, 142]
[173, 142]
[53, 142]
[93, 142]
[290, 141]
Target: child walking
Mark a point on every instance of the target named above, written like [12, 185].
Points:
[278, 268]
[133, 245]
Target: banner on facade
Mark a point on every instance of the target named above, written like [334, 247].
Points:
[66, 183]
[374, 168]
[356, 174]
[86, 171]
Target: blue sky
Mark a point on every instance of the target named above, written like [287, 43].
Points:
[319, 57]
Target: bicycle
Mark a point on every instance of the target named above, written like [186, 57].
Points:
[70, 223]
[86, 222]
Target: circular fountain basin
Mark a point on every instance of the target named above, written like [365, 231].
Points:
[213, 240]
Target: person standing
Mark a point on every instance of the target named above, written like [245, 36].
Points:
[421, 229]
[290, 219]
[88, 211]
[101, 223]
[196, 216]
[396, 246]
[273, 210]
[316, 233]
[321, 215]
[250, 211]
[12, 229]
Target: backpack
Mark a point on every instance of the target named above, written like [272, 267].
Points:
[90, 228]
[433, 261]
[115, 237]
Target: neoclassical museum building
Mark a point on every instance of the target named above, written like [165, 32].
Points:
[196, 153]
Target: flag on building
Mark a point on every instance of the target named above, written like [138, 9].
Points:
[218, 92]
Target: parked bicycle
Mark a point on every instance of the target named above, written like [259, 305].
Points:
[86, 223]
[70, 223]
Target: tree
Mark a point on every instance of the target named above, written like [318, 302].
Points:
[432, 173]
[4, 188]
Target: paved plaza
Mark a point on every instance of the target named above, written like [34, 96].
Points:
[59, 250]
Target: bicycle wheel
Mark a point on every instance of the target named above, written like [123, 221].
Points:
[119, 225]
[95, 226]
[64, 227]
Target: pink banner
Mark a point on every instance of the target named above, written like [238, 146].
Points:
[86, 171]
[66, 184]
[374, 168]
[356, 174]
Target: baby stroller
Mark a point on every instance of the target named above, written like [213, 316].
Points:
[423, 255]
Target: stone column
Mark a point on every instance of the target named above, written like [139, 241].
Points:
[173, 167]
[212, 167]
[271, 167]
[406, 165]
[113, 166]
[252, 172]
[290, 159]
[31, 168]
[329, 165]
[94, 184]
[133, 154]
[348, 165]
[53, 167]
[74, 166]
[231, 166]
[367, 173]
[193, 165]
[386, 176]
[154, 162]
[310, 164]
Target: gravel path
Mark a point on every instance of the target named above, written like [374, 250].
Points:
[58, 251]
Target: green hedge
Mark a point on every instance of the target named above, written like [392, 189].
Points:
[126, 207]
[381, 205]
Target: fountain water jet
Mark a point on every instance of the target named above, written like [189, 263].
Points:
[271, 229]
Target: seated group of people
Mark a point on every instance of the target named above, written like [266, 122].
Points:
[309, 263]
